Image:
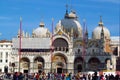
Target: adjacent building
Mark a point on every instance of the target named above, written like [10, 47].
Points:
[5, 51]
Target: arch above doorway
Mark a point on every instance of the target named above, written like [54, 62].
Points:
[39, 64]
[78, 64]
[24, 64]
[94, 63]
[59, 63]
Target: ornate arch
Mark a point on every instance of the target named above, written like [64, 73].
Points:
[78, 64]
[59, 60]
[25, 64]
[60, 44]
[39, 64]
[93, 63]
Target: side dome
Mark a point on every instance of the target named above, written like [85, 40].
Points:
[70, 23]
[41, 31]
[97, 31]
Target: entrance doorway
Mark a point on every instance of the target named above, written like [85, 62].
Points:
[79, 68]
[24, 64]
[39, 71]
[25, 71]
[59, 70]
[39, 64]
[78, 64]
[6, 69]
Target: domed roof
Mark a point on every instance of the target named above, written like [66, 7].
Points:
[71, 22]
[68, 24]
[97, 31]
[72, 14]
[41, 31]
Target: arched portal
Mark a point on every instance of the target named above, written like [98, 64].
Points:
[24, 64]
[78, 64]
[93, 64]
[39, 64]
[59, 63]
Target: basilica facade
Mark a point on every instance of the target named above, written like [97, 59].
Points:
[67, 49]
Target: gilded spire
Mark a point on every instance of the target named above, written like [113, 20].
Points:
[42, 24]
[66, 14]
[101, 23]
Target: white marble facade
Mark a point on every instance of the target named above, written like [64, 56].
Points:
[68, 49]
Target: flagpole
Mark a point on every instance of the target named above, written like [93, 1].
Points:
[83, 51]
[52, 45]
[20, 42]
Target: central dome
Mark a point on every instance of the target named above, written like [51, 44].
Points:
[70, 22]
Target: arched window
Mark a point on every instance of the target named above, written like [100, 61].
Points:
[60, 44]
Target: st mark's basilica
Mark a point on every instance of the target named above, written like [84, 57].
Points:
[67, 49]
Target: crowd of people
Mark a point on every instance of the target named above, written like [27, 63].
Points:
[62, 76]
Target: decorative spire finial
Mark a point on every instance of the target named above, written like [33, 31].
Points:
[71, 7]
[66, 7]
[66, 14]
[100, 18]
[42, 24]
[101, 23]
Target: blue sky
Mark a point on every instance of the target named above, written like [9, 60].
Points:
[33, 11]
